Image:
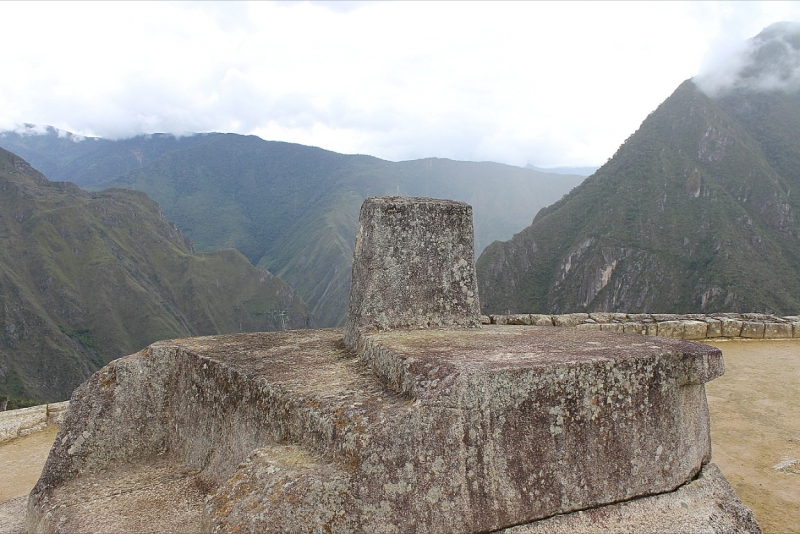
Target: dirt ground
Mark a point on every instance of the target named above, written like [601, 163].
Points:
[755, 428]
[755, 434]
[21, 462]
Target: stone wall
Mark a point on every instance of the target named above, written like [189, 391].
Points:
[18, 423]
[689, 326]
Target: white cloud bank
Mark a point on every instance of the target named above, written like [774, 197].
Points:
[768, 62]
[559, 83]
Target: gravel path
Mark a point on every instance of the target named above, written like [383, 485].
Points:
[21, 462]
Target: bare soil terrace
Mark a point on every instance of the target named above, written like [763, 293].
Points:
[755, 428]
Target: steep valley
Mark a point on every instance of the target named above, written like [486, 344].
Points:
[288, 208]
[88, 277]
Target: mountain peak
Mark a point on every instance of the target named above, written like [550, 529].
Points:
[694, 213]
[769, 62]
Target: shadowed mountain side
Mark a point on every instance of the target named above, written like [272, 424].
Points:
[289, 208]
[87, 278]
[688, 216]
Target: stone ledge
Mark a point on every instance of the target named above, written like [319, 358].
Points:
[128, 500]
[694, 326]
[708, 504]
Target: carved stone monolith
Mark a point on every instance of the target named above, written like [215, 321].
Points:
[420, 422]
[413, 266]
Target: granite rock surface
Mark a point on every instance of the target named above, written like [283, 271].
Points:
[452, 430]
[412, 419]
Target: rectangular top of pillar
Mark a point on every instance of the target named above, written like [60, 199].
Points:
[413, 265]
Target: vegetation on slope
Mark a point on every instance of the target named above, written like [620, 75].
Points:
[688, 216]
[87, 278]
[289, 208]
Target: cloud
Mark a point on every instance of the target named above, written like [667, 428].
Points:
[339, 6]
[547, 83]
[768, 62]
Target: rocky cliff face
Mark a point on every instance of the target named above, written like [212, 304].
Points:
[696, 212]
[689, 215]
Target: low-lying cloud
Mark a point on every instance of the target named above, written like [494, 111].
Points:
[546, 83]
[768, 62]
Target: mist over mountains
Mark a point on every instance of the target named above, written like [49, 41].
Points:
[768, 63]
[696, 212]
[288, 208]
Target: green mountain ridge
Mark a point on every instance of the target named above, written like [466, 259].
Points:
[694, 213]
[289, 208]
[88, 277]
[66, 157]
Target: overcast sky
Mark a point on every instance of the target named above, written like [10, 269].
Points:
[562, 83]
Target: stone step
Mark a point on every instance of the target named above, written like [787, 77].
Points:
[206, 404]
[154, 496]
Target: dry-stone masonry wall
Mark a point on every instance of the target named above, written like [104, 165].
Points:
[693, 326]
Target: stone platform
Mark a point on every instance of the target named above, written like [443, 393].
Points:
[459, 430]
[412, 418]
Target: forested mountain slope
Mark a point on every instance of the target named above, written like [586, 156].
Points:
[690, 215]
[88, 277]
[289, 208]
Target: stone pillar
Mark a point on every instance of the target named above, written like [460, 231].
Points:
[413, 266]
